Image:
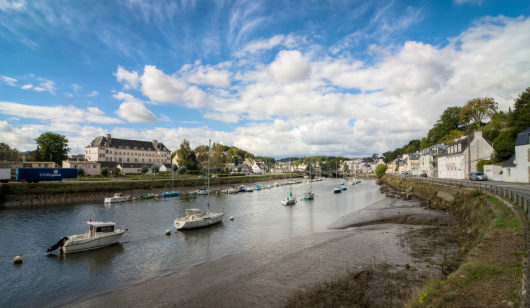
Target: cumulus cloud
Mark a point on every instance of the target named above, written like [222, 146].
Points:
[206, 75]
[289, 66]
[130, 79]
[16, 5]
[161, 87]
[133, 110]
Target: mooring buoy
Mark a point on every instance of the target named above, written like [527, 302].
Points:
[231, 217]
[168, 232]
[17, 259]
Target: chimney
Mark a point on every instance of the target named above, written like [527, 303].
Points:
[155, 144]
[108, 138]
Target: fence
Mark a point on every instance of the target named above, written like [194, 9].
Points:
[521, 199]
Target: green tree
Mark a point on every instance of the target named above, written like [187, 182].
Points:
[520, 117]
[182, 170]
[116, 172]
[80, 171]
[144, 169]
[174, 167]
[154, 168]
[477, 110]
[7, 153]
[481, 163]
[380, 170]
[449, 120]
[504, 145]
[105, 171]
[52, 147]
[186, 157]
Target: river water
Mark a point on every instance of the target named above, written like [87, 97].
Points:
[144, 251]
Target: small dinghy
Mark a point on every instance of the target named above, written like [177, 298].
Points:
[100, 234]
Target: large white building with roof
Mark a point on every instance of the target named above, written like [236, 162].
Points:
[517, 168]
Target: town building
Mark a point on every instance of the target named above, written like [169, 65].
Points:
[259, 167]
[108, 149]
[28, 164]
[429, 159]
[461, 159]
[89, 167]
[517, 168]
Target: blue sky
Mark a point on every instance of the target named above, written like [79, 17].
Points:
[277, 78]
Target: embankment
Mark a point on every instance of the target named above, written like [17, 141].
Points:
[482, 253]
[16, 195]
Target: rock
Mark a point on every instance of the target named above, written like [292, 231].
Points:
[17, 260]
[445, 196]
[509, 304]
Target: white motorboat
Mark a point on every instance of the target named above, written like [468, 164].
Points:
[100, 234]
[201, 192]
[196, 218]
[118, 197]
[289, 201]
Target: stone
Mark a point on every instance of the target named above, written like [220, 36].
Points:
[445, 196]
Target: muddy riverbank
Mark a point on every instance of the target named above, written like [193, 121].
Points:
[387, 237]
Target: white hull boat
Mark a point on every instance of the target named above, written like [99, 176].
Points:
[100, 234]
[117, 198]
[196, 218]
[289, 201]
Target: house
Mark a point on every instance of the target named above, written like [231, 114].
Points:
[27, 164]
[243, 168]
[517, 168]
[258, 167]
[414, 163]
[108, 149]
[462, 156]
[89, 167]
[429, 159]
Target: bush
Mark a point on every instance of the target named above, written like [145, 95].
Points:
[116, 171]
[144, 169]
[105, 171]
[182, 170]
[80, 171]
[174, 167]
[154, 168]
[481, 163]
[380, 170]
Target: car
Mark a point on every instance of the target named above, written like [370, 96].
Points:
[423, 175]
[477, 176]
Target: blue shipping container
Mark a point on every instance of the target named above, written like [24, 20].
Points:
[45, 174]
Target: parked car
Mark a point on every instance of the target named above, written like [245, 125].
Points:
[477, 176]
[423, 175]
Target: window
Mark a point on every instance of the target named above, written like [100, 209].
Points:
[105, 229]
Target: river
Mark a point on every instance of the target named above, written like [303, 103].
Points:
[144, 251]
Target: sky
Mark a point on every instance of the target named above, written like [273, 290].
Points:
[276, 78]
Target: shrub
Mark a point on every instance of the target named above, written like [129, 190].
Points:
[116, 171]
[182, 170]
[144, 169]
[80, 171]
[481, 163]
[105, 171]
[380, 170]
[154, 168]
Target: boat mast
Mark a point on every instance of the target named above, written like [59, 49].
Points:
[208, 174]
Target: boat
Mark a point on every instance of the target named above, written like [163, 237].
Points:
[309, 195]
[242, 188]
[201, 192]
[118, 197]
[343, 187]
[146, 196]
[196, 218]
[169, 193]
[337, 190]
[289, 200]
[257, 187]
[232, 191]
[100, 234]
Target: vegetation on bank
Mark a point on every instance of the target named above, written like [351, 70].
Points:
[115, 186]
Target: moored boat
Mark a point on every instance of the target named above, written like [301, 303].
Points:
[196, 218]
[169, 193]
[100, 234]
[337, 190]
[118, 197]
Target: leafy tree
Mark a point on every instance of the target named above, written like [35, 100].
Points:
[80, 171]
[504, 145]
[218, 158]
[449, 138]
[477, 110]
[380, 170]
[155, 168]
[412, 147]
[7, 153]
[52, 147]
[182, 170]
[105, 171]
[144, 169]
[499, 122]
[481, 163]
[174, 167]
[449, 120]
[116, 172]
[186, 157]
[520, 117]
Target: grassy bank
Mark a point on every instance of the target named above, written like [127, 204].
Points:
[486, 271]
[114, 186]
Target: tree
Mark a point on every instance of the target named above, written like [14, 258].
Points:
[182, 170]
[7, 153]
[154, 168]
[116, 172]
[504, 145]
[144, 169]
[481, 163]
[520, 117]
[477, 110]
[105, 171]
[174, 167]
[380, 170]
[80, 171]
[52, 147]
[186, 157]
[449, 120]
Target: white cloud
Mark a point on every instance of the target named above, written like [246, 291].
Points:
[133, 110]
[130, 79]
[289, 41]
[76, 87]
[93, 93]
[27, 87]
[8, 80]
[160, 87]
[16, 5]
[59, 114]
[289, 66]
[206, 75]
[459, 2]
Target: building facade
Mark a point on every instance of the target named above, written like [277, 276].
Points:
[429, 159]
[517, 168]
[108, 149]
[90, 167]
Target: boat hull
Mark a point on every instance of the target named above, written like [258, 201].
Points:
[200, 222]
[91, 243]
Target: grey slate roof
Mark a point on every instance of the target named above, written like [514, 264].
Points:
[523, 137]
[509, 162]
[414, 156]
[124, 143]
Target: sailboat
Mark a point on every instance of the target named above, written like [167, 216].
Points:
[290, 200]
[172, 192]
[196, 218]
[310, 195]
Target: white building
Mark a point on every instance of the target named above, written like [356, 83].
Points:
[259, 167]
[517, 168]
[107, 149]
[460, 160]
[429, 159]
